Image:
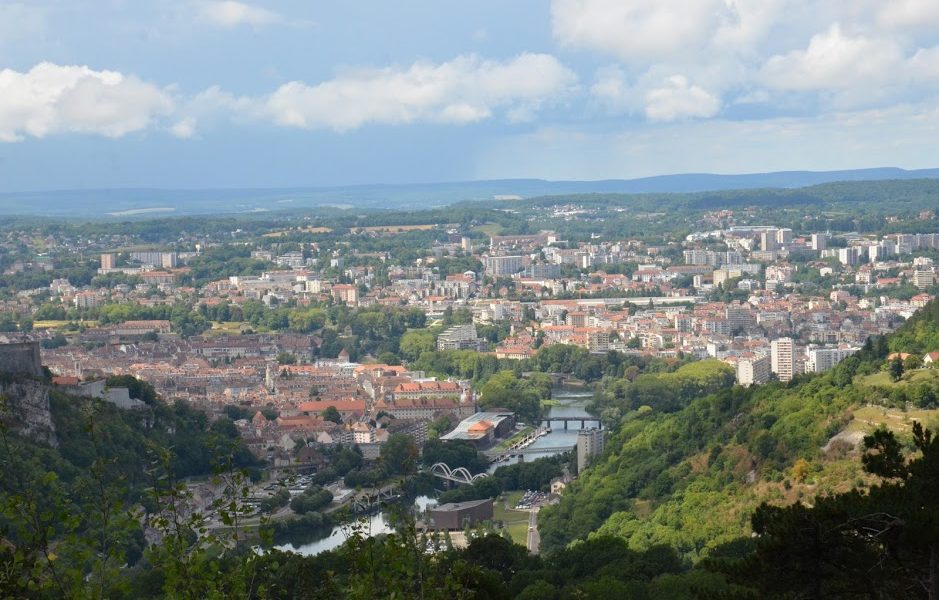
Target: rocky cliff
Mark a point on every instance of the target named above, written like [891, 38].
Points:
[24, 408]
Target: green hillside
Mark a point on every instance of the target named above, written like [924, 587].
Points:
[72, 507]
[692, 478]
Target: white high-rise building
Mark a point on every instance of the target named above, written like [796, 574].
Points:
[503, 266]
[589, 444]
[923, 278]
[819, 360]
[768, 240]
[781, 355]
[849, 256]
[753, 370]
[819, 241]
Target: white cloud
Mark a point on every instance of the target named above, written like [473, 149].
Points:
[834, 60]
[464, 90]
[229, 13]
[635, 30]
[910, 13]
[184, 129]
[657, 97]
[678, 99]
[613, 90]
[784, 55]
[51, 98]
[924, 65]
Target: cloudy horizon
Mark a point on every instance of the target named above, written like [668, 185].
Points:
[206, 93]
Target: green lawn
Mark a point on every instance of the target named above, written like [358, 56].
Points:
[869, 418]
[51, 324]
[490, 229]
[882, 379]
[519, 532]
[516, 521]
[233, 328]
[518, 436]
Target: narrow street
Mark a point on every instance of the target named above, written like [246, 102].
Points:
[534, 540]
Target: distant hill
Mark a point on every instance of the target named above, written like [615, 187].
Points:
[142, 203]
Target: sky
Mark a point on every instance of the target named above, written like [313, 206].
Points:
[278, 93]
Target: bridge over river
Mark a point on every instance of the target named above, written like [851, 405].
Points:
[497, 456]
[584, 421]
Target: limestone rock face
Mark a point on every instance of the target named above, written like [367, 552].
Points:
[25, 408]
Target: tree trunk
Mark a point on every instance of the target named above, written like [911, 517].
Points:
[934, 571]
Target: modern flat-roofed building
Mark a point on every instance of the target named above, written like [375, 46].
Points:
[503, 266]
[460, 337]
[819, 242]
[923, 278]
[819, 360]
[459, 515]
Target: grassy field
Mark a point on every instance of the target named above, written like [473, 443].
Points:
[229, 326]
[516, 521]
[304, 230]
[234, 328]
[393, 228]
[869, 418]
[882, 379]
[490, 229]
[51, 324]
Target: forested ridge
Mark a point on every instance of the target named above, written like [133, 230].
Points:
[693, 478]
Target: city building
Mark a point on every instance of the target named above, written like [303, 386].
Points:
[482, 428]
[345, 293]
[457, 516]
[460, 337]
[924, 278]
[768, 241]
[109, 260]
[502, 266]
[589, 445]
[164, 260]
[753, 370]
[849, 256]
[819, 360]
[781, 358]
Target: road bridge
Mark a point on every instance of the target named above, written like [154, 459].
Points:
[495, 456]
[567, 420]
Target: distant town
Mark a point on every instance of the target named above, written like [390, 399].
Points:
[317, 340]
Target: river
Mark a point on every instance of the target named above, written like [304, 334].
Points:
[570, 402]
[376, 524]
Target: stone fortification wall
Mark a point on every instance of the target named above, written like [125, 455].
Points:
[20, 358]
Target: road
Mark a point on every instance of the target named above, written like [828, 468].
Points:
[534, 539]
